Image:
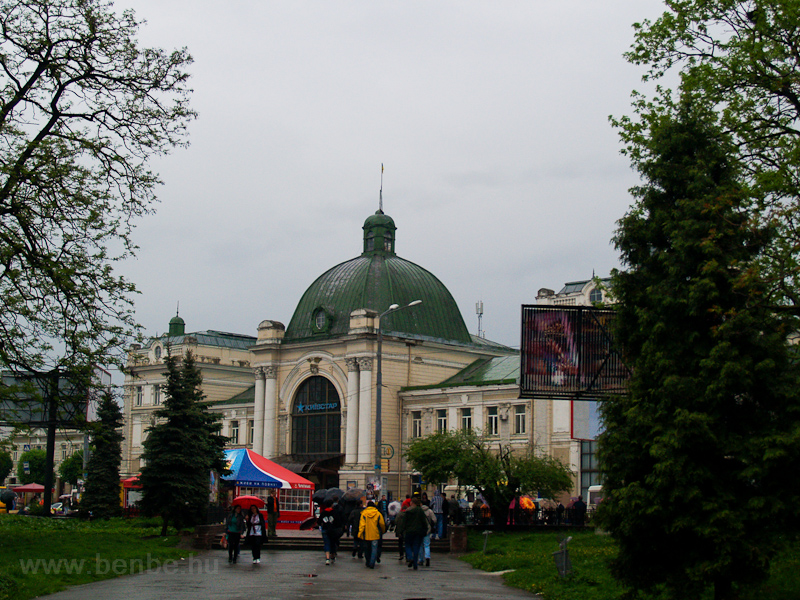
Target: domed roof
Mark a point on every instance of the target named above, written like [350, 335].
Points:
[376, 280]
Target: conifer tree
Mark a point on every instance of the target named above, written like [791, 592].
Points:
[101, 497]
[699, 457]
[181, 449]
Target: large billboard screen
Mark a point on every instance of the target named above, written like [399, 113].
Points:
[569, 352]
[24, 400]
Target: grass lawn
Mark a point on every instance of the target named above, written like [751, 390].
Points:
[530, 555]
[42, 556]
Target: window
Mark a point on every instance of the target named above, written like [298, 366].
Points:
[234, 432]
[316, 418]
[590, 472]
[519, 419]
[492, 421]
[466, 418]
[416, 424]
[295, 500]
[250, 428]
[156, 395]
[139, 395]
[595, 296]
[157, 352]
[14, 454]
[63, 451]
[441, 419]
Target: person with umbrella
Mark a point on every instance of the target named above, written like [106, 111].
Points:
[234, 527]
[255, 532]
[331, 525]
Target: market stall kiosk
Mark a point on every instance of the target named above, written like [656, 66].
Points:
[253, 475]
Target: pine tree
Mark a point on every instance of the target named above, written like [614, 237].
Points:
[101, 497]
[699, 457]
[181, 449]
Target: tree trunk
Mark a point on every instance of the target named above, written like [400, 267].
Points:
[165, 523]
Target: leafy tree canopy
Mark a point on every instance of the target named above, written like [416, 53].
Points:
[82, 110]
[491, 467]
[71, 468]
[182, 449]
[37, 465]
[740, 59]
[696, 458]
[6, 464]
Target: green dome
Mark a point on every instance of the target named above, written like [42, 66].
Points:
[376, 280]
[177, 326]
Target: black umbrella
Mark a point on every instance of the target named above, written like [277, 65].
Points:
[319, 496]
[7, 496]
[354, 494]
[334, 494]
[309, 523]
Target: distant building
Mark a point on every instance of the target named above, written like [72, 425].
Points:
[304, 395]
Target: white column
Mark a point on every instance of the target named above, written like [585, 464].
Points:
[258, 413]
[270, 411]
[365, 441]
[351, 433]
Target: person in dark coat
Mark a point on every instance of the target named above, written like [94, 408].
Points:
[331, 525]
[235, 526]
[415, 526]
[256, 531]
[273, 513]
[355, 517]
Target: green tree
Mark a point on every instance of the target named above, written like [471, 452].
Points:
[740, 58]
[6, 464]
[181, 450]
[491, 467]
[101, 495]
[37, 467]
[697, 457]
[71, 468]
[83, 108]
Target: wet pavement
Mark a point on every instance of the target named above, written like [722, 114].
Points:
[295, 574]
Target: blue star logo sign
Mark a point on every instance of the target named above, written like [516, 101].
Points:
[301, 408]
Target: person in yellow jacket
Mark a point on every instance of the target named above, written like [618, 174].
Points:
[371, 527]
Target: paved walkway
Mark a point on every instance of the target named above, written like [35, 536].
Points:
[298, 574]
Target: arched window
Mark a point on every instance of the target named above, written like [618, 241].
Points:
[316, 418]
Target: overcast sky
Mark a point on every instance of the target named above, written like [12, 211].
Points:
[502, 172]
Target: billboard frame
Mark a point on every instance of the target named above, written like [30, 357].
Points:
[569, 353]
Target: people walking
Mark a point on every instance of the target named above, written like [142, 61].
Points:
[255, 532]
[354, 519]
[331, 525]
[234, 528]
[371, 526]
[437, 505]
[415, 525]
[426, 540]
[273, 513]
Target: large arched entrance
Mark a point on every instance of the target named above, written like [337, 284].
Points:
[316, 419]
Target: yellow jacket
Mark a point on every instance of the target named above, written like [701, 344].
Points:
[371, 525]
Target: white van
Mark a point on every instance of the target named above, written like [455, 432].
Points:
[595, 497]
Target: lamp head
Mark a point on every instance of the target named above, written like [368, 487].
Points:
[415, 302]
[394, 307]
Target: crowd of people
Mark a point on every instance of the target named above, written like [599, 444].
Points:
[415, 521]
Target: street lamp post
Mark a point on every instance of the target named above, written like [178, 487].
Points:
[379, 391]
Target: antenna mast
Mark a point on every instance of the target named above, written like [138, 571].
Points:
[479, 312]
[380, 205]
